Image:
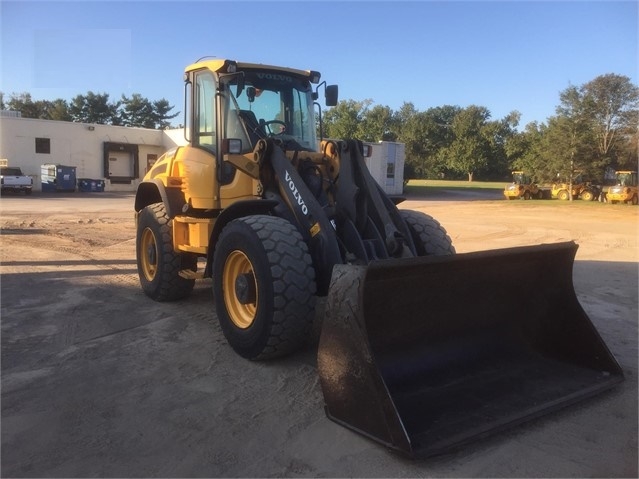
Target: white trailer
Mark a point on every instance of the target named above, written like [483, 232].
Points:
[386, 165]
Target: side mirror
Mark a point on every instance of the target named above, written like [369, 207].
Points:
[231, 146]
[331, 95]
[250, 93]
[240, 85]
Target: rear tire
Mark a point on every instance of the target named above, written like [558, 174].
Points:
[264, 286]
[587, 196]
[158, 264]
[563, 195]
[429, 236]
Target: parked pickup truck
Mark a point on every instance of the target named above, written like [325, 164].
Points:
[12, 179]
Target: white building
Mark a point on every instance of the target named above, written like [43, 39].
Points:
[122, 155]
[118, 155]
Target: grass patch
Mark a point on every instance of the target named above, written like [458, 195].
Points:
[476, 185]
[423, 187]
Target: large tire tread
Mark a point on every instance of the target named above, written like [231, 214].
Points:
[287, 327]
[430, 237]
[170, 286]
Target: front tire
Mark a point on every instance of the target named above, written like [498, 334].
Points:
[264, 287]
[429, 236]
[563, 195]
[158, 264]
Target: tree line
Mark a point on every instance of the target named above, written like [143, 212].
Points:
[595, 127]
[134, 111]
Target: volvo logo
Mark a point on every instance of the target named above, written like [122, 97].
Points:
[274, 76]
[296, 193]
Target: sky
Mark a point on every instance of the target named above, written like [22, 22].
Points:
[503, 55]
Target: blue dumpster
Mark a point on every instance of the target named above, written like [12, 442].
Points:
[58, 177]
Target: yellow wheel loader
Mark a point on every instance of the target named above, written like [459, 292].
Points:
[581, 189]
[418, 348]
[522, 187]
[625, 189]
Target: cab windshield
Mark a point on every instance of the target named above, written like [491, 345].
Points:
[626, 179]
[271, 104]
[520, 179]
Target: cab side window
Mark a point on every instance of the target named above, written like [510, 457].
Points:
[204, 105]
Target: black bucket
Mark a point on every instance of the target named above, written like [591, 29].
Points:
[426, 354]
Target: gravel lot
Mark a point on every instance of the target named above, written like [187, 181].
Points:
[100, 381]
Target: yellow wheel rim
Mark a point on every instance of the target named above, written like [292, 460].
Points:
[242, 314]
[148, 254]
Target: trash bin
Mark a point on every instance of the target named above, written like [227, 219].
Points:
[88, 185]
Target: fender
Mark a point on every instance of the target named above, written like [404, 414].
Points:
[154, 191]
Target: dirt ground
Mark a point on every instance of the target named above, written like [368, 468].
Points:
[100, 381]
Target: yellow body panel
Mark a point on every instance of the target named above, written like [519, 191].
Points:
[624, 191]
[621, 193]
[192, 234]
[193, 170]
[518, 189]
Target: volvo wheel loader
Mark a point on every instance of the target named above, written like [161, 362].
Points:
[418, 347]
[522, 187]
[625, 189]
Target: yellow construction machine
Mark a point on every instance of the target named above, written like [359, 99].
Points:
[625, 189]
[579, 187]
[522, 187]
[418, 347]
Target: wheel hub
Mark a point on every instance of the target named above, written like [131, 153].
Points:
[245, 288]
[151, 254]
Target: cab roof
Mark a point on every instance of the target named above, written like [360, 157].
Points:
[220, 65]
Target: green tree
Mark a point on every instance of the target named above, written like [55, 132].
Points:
[612, 104]
[570, 138]
[529, 152]
[161, 111]
[470, 150]
[27, 107]
[378, 124]
[344, 120]
[504, 146]
[412, 130]
[58, 110]
[95, 108]
[137, 111]
[628, 151]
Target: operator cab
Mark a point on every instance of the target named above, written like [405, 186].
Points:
[271, 104]
[249, 102]
[627, 178]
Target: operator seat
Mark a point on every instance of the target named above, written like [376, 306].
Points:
[253, 127]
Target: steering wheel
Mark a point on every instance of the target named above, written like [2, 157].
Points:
[270, 131]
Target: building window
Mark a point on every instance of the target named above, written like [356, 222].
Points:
[150, 160]
[43, 145]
